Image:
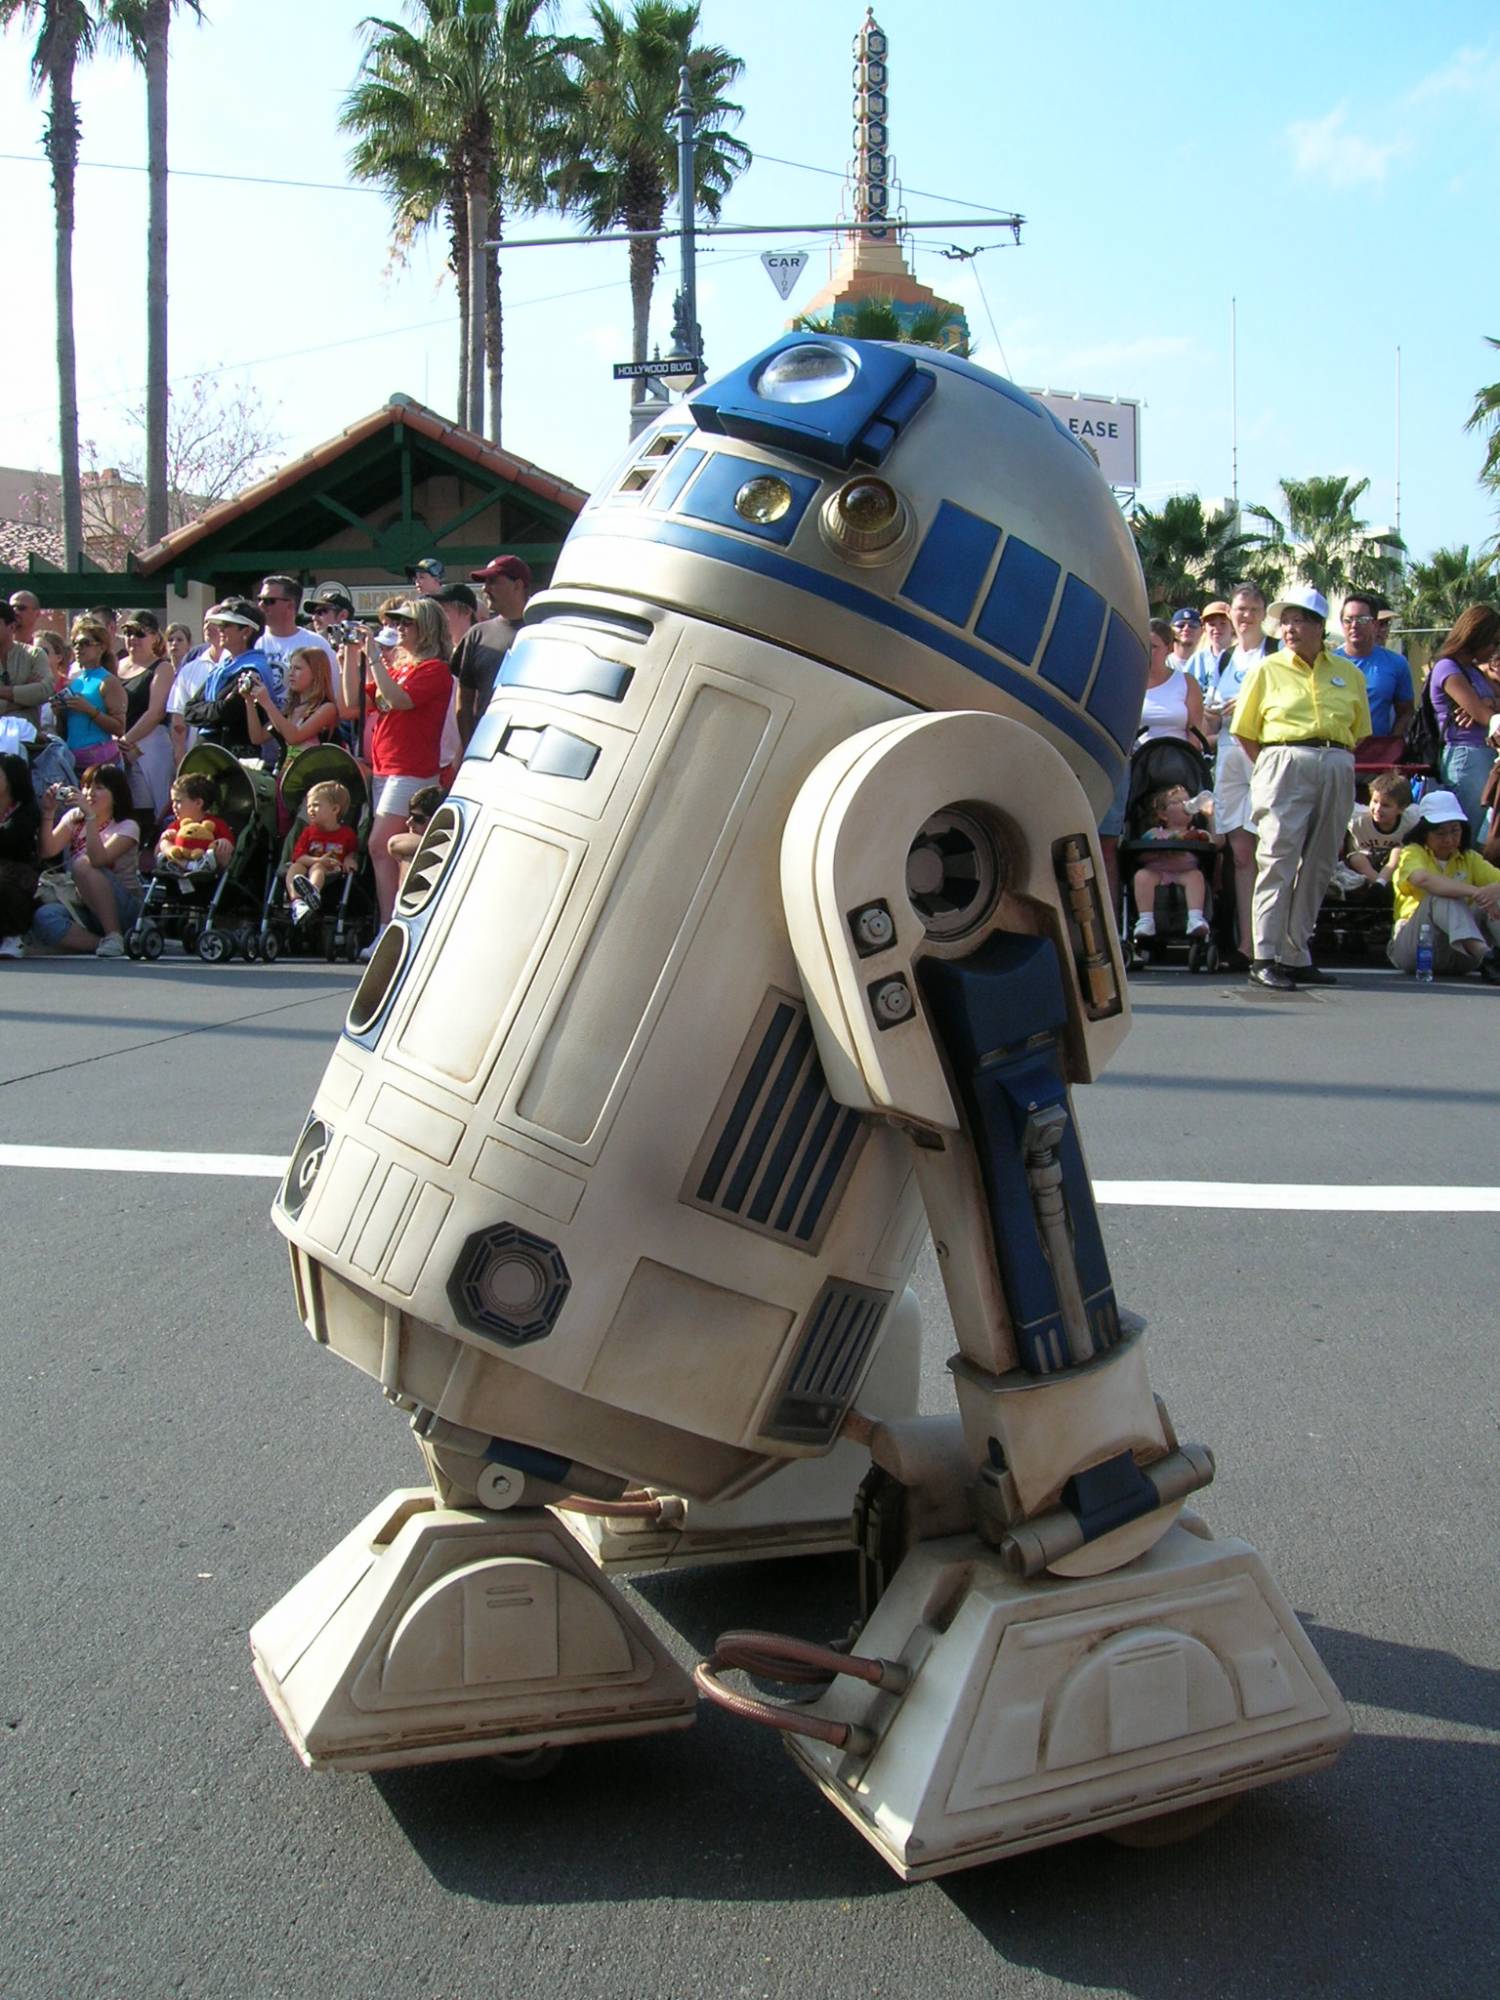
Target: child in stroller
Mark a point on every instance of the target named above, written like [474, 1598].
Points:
[320, 895]
[1184, 823]
[222, 810]
[1170, 851]
[194, 841]
[324, 848]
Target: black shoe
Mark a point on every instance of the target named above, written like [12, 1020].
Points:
[1489, 968]
[1308, 975]
[1266, 972]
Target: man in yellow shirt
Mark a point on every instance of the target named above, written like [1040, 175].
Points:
[1299, 715]
[1440, 881]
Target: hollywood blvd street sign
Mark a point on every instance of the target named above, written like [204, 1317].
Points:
[784, 267]
[1108, 425]
[668, 364]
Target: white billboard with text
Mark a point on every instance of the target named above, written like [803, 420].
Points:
[1108, 425]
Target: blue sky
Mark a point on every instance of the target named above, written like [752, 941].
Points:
[1334, 167]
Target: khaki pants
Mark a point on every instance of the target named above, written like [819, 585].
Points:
[1301, 798]
[1453, 923]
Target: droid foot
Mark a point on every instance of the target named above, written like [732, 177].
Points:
[432, 1633]
[1040, 1711]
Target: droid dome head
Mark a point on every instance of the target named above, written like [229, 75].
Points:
[901, 515]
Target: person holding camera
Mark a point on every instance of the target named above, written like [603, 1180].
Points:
[91, 905]
[221, 711]
[411, 697]
[312, 713]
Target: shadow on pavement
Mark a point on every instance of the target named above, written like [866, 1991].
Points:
[1311, 1886]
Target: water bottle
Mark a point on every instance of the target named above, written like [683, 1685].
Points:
[1424, 951]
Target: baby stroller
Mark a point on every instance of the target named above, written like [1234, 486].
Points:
[1156, 766]
[346, 921]
[214, 914]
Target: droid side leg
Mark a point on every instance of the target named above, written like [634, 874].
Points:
[1083, 1657]
[461, 1620]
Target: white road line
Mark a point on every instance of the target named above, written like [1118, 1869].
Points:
[1350, 1197]
[123, 1160]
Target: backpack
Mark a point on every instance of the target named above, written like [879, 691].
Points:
[1424, 739]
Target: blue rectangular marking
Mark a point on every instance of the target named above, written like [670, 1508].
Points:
[951, 564]
[1015, 612]
[1074, 643]
[1120, 684]
[712, 496]
[678, 470]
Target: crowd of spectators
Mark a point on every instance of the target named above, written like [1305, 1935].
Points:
[92, 734]
[93, 731]
[1286, 728]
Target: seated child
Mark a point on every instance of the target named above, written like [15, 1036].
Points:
[402, 846]
[325, 847]
[1175, 817]
[1442, 885]
[193, 841]
[1377, 833]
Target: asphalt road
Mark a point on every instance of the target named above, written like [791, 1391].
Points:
[177, 1453]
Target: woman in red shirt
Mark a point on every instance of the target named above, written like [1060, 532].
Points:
[411, 697]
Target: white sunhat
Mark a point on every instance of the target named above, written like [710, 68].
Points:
[1440, 808]
[1303, 598]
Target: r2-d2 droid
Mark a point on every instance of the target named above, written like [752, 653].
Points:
[764, 929]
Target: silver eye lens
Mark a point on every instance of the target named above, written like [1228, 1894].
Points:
[806, 374]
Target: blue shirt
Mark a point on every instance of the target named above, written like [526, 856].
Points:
[1387, 681]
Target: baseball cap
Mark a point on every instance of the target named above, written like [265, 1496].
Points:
[511, 566]
[1440, 808]
[428, 566]
[458, 593]
[388, 636]
[1218, 609]
[1303, 598]
[1186, 616]
[330, 593]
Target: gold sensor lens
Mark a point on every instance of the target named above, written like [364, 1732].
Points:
[763, 500]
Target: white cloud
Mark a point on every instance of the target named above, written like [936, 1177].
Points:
[1471, 73]
[1323, 150]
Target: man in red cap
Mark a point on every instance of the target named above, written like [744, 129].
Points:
[506, 583]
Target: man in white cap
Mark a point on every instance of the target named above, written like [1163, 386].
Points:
[1297, 717]
[1442, 884]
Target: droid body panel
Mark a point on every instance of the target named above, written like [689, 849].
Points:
[578, 1122]
[763, 926]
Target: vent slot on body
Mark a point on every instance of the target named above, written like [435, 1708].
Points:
[430, 861]
[828, 1363]
[778, 1149]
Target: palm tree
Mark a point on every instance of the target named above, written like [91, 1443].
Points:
[877, 318]
[68, 32]
[1485, 417]
[1450, 580]
[462, 114]
[1187, 553]
[623, 133]
[1323, 540]
[146, 25]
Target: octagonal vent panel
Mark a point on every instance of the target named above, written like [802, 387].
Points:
[509, 1285]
